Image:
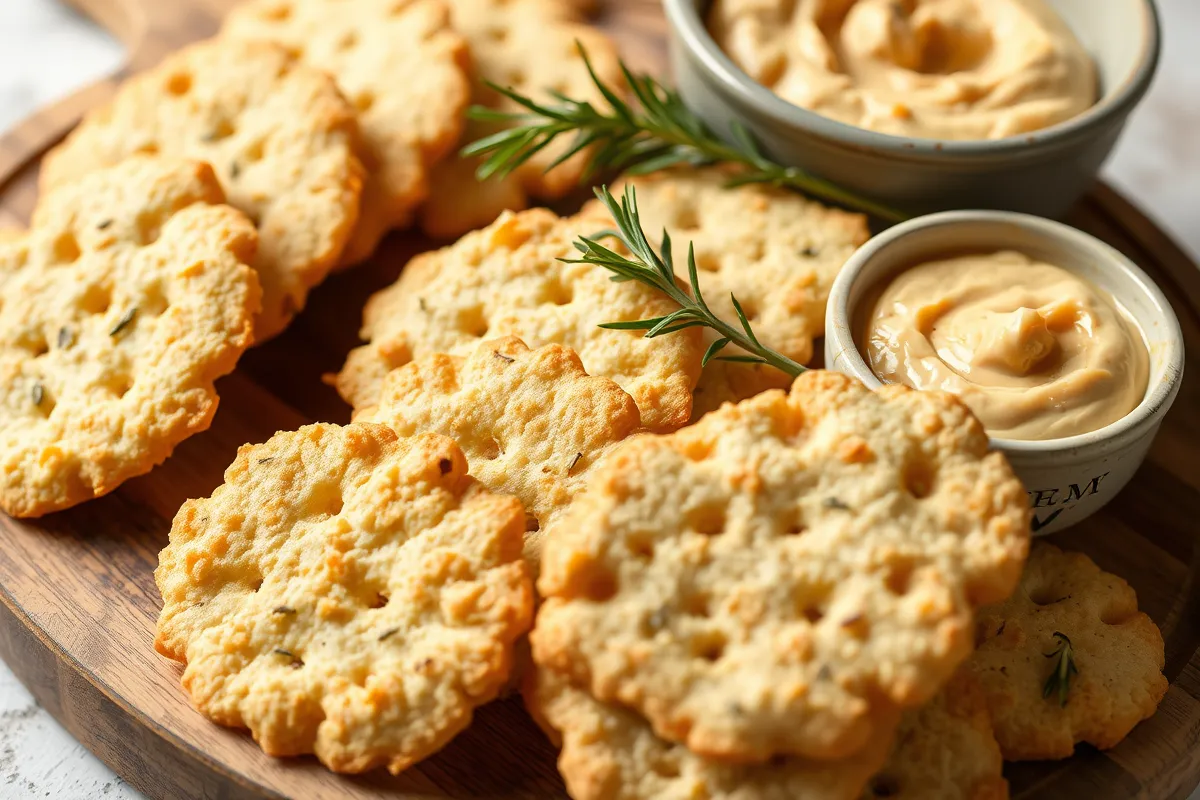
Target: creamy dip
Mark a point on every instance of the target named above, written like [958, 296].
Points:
[1035, 351]
[940, 69]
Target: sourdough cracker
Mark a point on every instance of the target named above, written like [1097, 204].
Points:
[280, 137]
[507, 280]
[773, 578]
[1117, 650]
[531, 423]
[345, 593]
[944, 750]
[610, 753]
[127, 298]
[775, 250]
[532, 47]
[406, 72]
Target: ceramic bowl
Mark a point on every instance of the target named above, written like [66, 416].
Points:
[1043, 172]
[1070, 478]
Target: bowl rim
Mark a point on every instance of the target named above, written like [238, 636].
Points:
[1145, 415]
[685, 19]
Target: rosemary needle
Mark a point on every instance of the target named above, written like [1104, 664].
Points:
[1059, 681]
[656, 269]
[660, 132]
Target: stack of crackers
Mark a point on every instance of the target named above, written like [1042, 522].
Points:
[708, 582]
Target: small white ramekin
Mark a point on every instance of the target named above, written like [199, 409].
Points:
[1070, 478]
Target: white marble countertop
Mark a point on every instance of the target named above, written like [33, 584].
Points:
[46, 50]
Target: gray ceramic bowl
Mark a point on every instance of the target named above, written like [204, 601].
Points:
[1067, 479]
[1040, 173]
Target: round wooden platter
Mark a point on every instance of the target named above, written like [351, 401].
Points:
[79, 601]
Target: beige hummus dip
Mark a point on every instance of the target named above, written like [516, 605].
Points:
[1035, 351]
[939, 69]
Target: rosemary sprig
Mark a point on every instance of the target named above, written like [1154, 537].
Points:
[661, 132]
[656, 269]
[1059, 682]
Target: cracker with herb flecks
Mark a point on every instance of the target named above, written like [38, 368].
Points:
[280, 137]
[1046, 693]
[507, 280]
[776, 577]
[532, 423]
[345, 593]
[405, 71]
[944, 750]
[775, 250]
[127, 298]
[611, 753]
[532, 47]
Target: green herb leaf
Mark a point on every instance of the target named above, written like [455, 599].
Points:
[124, 321]
[1059, 681]
[654, 269]
[661, 131]
[37, 393]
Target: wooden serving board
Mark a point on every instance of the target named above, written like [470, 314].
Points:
[79, 601]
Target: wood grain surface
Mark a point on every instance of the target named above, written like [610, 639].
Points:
[79, 602]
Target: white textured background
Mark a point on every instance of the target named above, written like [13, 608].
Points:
[46, 50]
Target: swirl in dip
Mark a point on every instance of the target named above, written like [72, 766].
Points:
[939, 69]
[1035, 351]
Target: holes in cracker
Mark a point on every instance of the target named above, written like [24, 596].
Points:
[559, 293]
[666, 767]
[34, 341]
[531, 524]
[65, 249]
[253, 152]
[491, 449]
[473, 323]
[708, 519]
[379, 600]
[363, 101]
[95, 299]
[256, 584]
[179, 84]
[277, 13]
[223, 129]
[1117, 613]
[696, 604]
[708, 262]
[918, 478]
[598, 585]
[899, 576]
[147, 227]
[813, 613]
[641, 545]
[709, 645]
[120, 385]
[686, 219]
[154, 300]
[883, 786]
[792, 522]
[1048, 594]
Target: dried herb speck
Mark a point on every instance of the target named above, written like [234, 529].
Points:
[284, 610]
[835, 503]
[66, 337]
[235, 169]
[124, 321]
[279, 651]
[389, 632]
[37, 393]
[574, 462]
[103, 224]
[810, 252]
[421, 303]
[503, 357]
